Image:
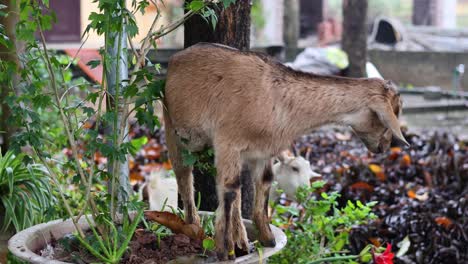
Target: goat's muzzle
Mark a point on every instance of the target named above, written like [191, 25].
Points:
[396, 142]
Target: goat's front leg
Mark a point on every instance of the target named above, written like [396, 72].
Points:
[183, 174]
[228, 167]
[263, 178]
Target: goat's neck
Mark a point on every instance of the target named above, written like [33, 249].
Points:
[315, 102]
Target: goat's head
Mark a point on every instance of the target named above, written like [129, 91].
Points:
[377, 124]
[290, 166]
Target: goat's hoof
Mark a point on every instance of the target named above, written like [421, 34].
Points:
[241, 252]
[232, 255]
[246, 247]
[268, 242]
[222, 255]
[243, 244]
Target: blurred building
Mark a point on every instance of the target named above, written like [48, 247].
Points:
[73, 20]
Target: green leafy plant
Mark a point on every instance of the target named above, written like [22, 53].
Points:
[317, 230]
[208, 244]
[24, 191]
[202, 160]
[111, 248]
[207, 223]
[47, 87]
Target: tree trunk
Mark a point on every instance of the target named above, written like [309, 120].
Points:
[312, 12]
[425, 12]
[115, 75]
[8, 54]
[354, 41]
[291, 28]
[232, 29]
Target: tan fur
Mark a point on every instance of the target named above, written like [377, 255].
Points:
[249, 108]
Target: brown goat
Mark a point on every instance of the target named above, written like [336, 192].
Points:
[249, 108]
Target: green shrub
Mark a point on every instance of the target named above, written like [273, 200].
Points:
[317, 229]
[50, 116]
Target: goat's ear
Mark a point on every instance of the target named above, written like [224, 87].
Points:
[284, 156]
[314, 175]
[385, 113]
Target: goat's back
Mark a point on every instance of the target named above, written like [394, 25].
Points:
[212, 89]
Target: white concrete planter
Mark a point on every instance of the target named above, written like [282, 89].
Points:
[25, 243]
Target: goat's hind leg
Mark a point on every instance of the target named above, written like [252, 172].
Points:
[228, 166]
[183, 174]
[263, 176]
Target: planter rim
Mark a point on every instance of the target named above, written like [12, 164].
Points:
[24, 243]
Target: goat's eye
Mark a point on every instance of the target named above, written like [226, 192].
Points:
[295, 169]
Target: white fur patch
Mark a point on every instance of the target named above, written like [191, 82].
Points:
[291, 174]
[161, 187]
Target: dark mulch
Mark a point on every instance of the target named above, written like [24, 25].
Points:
[422, 192]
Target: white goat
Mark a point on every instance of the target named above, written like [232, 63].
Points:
[291, 173]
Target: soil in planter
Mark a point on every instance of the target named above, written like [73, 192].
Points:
[145, 247]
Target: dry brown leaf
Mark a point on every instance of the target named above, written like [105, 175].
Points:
[394, 153]
[170, 220]
[395, 149]
[375, 241]
[405, 161]
[152, 152]
[88, 125]
[131, 164]
[175, 224]
[450, 153]
[288, 224]
[428, 179]
[139, 232]
[136, 176]
[362, 186]
[339, 170]
[444, 221]
[344, 153]
[411, 194]
[150, 167]
[98, 157]
[167, 165]
[378, 171]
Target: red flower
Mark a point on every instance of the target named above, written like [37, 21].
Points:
[384, 258]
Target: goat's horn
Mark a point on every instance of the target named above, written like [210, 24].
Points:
[315, 175]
